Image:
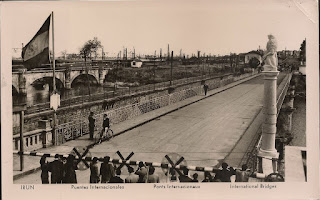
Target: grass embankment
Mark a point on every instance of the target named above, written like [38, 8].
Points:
[150, 74]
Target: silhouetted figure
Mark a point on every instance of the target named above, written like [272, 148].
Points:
[116, 179]
[94, 171]
[205, 88]
[224, 174]
[92, 121]
[184, 177]
[207, 177]
[44, 170]
[195, 178]
[56, 169]
[70, 173]
[106, 170]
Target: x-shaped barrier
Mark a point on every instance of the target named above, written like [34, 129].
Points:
[175, 165]
[81, 156]
[124, 160]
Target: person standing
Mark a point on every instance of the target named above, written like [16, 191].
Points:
[44, 170]
[70, 174]
[105, 127]
[205, 88]
[92, 121]
[225, 174]
[116, 179]
[132, 178]
[184, 177]
[152, 178]
[195, 178]
[106, 170]
[243, 174]
[94, 171]
[56, 169]
[207, 177]
[142, 172]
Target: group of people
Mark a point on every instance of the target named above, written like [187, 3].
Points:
[63, 170]
[221, 175]
[110, 173]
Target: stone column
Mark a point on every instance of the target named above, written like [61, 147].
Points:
[46, 133]
[267, 153]
[101, 78]
[67, 78]
[22, 82]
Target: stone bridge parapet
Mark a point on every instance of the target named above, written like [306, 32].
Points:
[23, 78]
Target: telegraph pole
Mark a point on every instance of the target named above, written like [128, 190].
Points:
[171, 67]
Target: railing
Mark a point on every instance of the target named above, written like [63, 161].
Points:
[32, 140]
[120, 92]
[70, 131]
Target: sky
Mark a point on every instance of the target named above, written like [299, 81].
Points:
[215, 27]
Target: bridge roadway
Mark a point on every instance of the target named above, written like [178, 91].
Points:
[203, 133]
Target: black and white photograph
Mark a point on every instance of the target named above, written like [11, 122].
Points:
[179, 95]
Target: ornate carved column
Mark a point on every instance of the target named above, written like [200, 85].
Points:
[267, 154]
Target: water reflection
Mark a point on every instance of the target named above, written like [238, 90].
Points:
[37, 94]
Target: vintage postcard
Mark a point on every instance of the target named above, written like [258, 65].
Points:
[160, 99]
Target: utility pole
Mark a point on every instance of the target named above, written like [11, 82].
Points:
[168, 52]
[171, 68]
[160, 54]
[126, 54]
[134, 53]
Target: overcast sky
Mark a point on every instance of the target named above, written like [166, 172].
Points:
[216, 27]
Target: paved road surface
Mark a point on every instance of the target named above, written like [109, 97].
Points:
[204, 132]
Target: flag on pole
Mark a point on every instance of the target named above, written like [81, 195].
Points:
[36, 52]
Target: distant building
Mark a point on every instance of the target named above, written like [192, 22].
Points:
[136, 63]
[252, 54]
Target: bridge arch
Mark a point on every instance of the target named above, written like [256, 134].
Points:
[83, 78]
[47, 80]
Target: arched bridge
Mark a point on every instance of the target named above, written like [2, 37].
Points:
[64, 77]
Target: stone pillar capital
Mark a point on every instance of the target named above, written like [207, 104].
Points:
[270, 74]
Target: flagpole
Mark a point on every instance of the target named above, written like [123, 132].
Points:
[54, 82]
[54, 63]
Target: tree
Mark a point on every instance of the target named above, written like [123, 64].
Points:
[64, 54]
[303, 51]
[91, 46]
[254, 62]
[86, 51]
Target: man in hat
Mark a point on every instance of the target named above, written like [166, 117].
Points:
[56, 169]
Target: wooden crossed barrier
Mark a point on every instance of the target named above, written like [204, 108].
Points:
[124, 162]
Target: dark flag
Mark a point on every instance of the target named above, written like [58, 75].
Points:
[36, 52]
